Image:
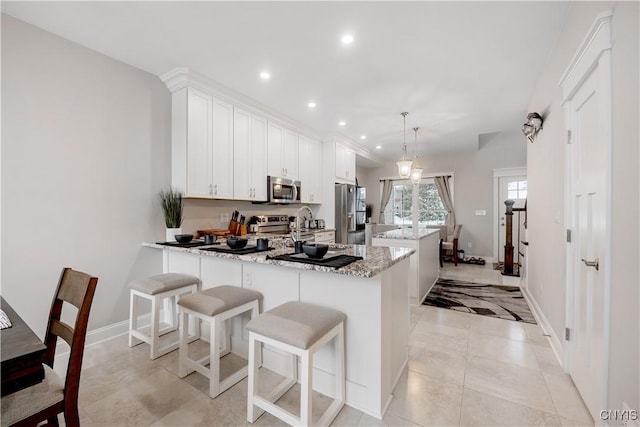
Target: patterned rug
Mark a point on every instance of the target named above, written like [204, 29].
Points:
[504, 302]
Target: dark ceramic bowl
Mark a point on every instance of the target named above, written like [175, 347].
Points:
[236, 242]
[184, 238]
[315, 250]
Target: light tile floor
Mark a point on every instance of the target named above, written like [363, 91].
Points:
[464, 369]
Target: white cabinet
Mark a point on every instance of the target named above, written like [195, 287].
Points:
[202, 145]
[310, 161]
[197, 145]
[290, 154]
[222, 152]
[345, 164]
[250, 164]
[325, 237]
[282, 152]
[275, 143]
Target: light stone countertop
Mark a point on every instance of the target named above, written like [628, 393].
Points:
[375, 259]
[406, 234]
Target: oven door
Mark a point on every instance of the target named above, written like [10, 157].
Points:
[283, 190]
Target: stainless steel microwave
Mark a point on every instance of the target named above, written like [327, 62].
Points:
[283, 190]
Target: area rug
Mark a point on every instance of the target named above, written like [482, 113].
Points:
[504, 302]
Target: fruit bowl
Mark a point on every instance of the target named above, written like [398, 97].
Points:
[315, 250]
[184, 238]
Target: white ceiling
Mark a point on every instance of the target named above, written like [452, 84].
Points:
[459, 68]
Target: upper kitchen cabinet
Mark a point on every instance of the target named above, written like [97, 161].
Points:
[202, 145]
[249, 159]
[310, 161]
[282, 152]
[345, 164]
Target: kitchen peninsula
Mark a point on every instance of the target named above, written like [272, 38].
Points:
[372, 292]
[424, 264]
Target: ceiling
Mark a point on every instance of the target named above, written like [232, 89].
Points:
[459, 68]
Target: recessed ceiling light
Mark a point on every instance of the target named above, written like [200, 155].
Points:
[265, 75]
[378, 147]
[363, 136]
[347, 39]
[342, 123]
[311, 104]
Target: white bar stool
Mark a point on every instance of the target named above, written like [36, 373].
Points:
[214, 305]
[299, 329]
[156, 289]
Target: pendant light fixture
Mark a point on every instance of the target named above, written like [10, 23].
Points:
[404, 165]
[416, 171]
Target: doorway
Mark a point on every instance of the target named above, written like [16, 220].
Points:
[508, 184]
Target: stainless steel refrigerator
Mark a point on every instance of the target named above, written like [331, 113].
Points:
[349, 219]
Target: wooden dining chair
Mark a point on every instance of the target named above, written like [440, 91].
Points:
[44, 401]
[449, 244]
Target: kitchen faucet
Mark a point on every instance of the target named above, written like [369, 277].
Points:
[296, 237]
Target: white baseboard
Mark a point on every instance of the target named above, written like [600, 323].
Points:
[105, 333]
[554, 341]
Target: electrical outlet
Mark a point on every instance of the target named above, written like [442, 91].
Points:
[247, 279]
[470, 244]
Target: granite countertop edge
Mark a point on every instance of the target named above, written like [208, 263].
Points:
[378, 259]
[405, 234]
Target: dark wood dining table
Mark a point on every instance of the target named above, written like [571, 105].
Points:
[21, 353]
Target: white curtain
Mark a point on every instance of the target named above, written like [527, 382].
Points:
[444, 190]
[387, 188]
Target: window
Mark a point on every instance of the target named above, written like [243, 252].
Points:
[516, 190]
[430, 210]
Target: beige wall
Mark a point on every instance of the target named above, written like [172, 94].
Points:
[85, 150]
[546, 162]
[473, 184]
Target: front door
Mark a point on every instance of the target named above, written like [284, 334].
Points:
[587, 113]
[514, 188]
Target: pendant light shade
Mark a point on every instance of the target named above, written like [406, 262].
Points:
[416, 171]
[404, 165]
[416, 175]
[404, 168]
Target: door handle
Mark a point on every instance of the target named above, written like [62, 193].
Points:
[595, 263]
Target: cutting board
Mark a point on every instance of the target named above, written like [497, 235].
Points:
[221, 233]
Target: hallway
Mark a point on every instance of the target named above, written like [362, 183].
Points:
[466, 369]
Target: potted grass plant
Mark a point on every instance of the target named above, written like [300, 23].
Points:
[172, 206]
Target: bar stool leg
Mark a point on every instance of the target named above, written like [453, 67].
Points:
[155, 325]
[340, 365]
[133, 319]
[255, 311]
[306, 382]
[214, 358]
[253, 412]
[183, 352]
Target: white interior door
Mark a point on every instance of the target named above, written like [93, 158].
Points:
[514, 188]
[588, 154]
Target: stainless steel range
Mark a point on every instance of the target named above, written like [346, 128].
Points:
[277, 224]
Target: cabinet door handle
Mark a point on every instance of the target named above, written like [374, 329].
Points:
[595, 263]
